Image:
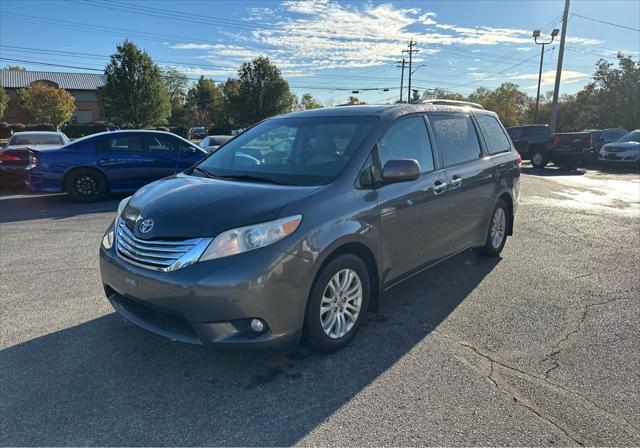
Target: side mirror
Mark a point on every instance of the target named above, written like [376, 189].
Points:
[400, 170]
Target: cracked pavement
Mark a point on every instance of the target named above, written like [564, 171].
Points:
[538, 347]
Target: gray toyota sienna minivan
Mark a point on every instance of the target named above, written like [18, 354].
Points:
[295, 228]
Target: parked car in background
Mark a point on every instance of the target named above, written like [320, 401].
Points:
[626, 150]
[118, 161]
[601, 137]
[14, 157]
[536, 143]
[197, 133]
[213, 142]
[300, 242]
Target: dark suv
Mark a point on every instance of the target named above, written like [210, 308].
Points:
[296, 227]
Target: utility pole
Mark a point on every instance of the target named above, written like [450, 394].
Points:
[411, 52]
[536, 35]
[402, 62]
[556, 89]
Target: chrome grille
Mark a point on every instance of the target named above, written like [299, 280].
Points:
[160, 255]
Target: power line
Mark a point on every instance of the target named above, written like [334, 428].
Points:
[606, 23]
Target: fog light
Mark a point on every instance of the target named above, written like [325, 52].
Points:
[257, 325]
[107, 240]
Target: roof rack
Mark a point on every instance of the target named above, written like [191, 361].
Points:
[452, 103]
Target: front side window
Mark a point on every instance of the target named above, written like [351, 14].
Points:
[298, 151]
[128, 143]
[456, 138]
[494, 136]
[407, 139]
[160, 143]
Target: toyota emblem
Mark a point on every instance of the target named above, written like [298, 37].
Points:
[146, 226]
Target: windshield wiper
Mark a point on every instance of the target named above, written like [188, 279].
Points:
[255, 178]
[204, 171]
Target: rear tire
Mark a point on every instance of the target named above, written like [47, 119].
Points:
[337, 304]
[86, 185]
[497, 234]
[539, 159]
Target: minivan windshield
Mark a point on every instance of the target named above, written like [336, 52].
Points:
[294, 151]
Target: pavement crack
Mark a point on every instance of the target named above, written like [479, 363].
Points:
[491, 377]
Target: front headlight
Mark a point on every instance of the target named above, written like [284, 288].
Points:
[244, 239]
[107, 239]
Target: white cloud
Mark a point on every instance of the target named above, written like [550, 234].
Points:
[549, 77]
[324, 34]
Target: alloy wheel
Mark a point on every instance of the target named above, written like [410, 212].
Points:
[87, 186]
[341, 303]
[498, 227]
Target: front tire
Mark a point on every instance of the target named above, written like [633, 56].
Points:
[86, 185]
[497, 235]
[337, 304]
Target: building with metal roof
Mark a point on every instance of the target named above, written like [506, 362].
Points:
[82, 86]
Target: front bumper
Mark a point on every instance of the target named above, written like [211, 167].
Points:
[211, 303]
[619, 157]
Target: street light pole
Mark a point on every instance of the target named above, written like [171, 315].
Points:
[536, 35]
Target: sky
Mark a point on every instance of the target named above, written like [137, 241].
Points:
[328, 47]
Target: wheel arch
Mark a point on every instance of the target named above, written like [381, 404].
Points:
[363, 252]
[69, 172]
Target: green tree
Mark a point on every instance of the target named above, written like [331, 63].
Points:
[205, 102]
[309, 102]
[442, 94]
[176, 84]
[261, 93]
[4, 101]
[134, 94]
[47, 104]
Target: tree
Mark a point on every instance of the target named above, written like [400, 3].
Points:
[205, 103]
[134, 93]
[176, 84]
[47, 104]
[14, 68]
[442, 94]
[309, 102]
[354, 100]
[4, 101]
[261, 93]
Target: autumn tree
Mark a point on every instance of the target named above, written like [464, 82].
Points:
[309, 102]
[355, 100]
[134, 93]
[47, 104]
[205, 104]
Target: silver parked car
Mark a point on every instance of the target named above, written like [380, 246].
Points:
[213, 142]
[625, 150]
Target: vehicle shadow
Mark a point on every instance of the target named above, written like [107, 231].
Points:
[106, 382]
[551, 171]
[15, 207]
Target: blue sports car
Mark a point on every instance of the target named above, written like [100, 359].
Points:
[110, 162]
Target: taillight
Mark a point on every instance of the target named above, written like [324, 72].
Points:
[590, 141]
[555, 140]
[8, 157]
[518, 159]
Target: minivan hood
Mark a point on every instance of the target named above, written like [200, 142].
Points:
[184, 206]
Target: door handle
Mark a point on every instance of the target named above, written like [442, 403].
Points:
[439, 187]
[456, 182]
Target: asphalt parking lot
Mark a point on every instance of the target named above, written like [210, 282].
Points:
[538, 347]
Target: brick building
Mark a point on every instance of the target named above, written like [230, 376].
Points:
[82, 86]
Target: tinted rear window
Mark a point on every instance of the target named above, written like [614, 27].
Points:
[494, 136]
[456, 138]
[535, 130]
[36, 139]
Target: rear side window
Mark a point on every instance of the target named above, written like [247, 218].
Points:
[494, 136]
[515, 133]
[127, 143]
[407, 139]
[456, 138]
